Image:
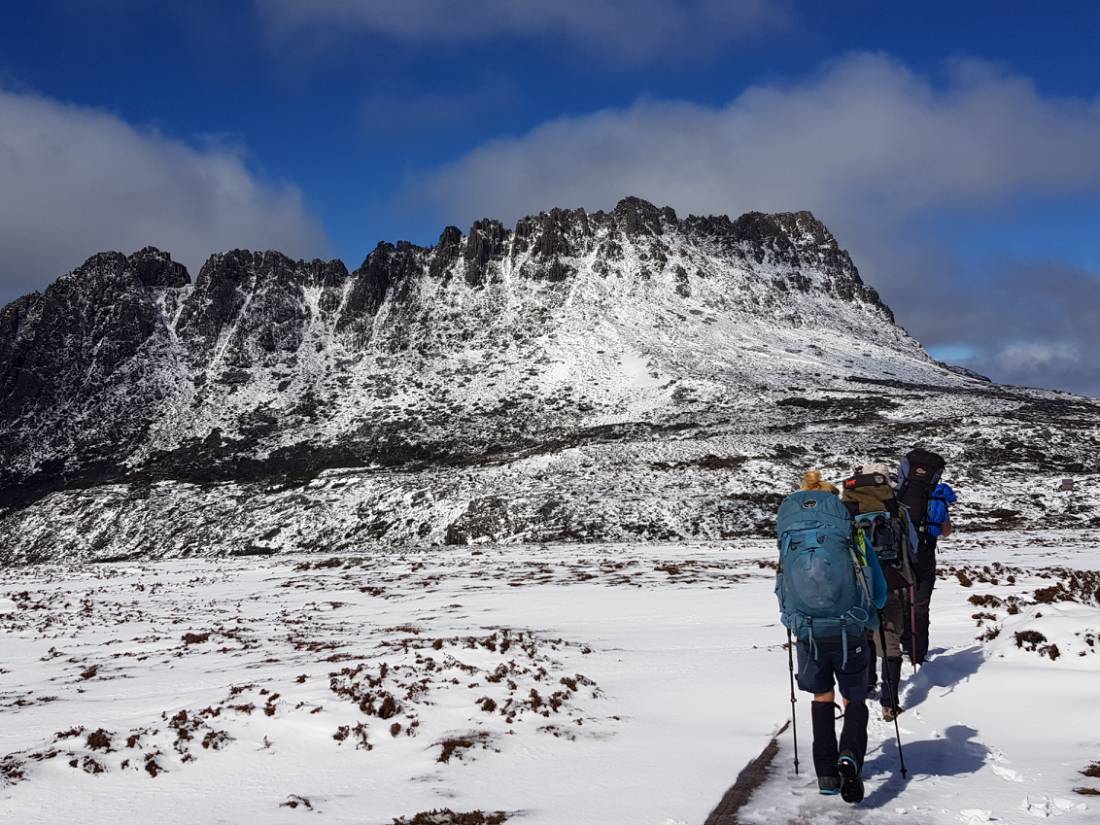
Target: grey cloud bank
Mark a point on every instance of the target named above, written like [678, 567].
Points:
[76, 181]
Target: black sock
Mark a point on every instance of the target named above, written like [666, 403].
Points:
[853, 736]
[825, 752]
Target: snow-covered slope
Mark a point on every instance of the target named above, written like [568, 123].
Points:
[624, 375]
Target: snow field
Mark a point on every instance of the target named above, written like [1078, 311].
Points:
[659, 672]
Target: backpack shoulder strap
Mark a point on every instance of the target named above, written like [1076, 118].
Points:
[861, 576]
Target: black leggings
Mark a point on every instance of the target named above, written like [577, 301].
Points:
[921, 616]
[916, 639]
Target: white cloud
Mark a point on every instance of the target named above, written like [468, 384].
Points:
[75, 181]
[1036, 356]
[631, 29]
[865, 139]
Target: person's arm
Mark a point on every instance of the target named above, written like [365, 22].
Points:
[946, 529]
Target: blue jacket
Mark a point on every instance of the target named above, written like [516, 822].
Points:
[938, 513]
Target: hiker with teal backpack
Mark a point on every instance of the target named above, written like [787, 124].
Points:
[830, 589]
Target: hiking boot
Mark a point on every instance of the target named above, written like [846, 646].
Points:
[853, 737]
[888, 714]
[851, 784]
[828, 785]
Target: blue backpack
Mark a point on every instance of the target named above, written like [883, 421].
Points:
[822, 581]
[938, 513]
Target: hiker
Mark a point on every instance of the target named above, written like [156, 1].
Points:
[938, 524]
[889, 536]
[927, 500]
[829, 592]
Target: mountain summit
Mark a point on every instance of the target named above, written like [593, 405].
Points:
[458, 392]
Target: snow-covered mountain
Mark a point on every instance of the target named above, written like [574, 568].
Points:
[624, 375]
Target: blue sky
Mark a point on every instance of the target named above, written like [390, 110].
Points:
[951, 147]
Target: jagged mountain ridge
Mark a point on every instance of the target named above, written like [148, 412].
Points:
[631, 330]
[133, 332]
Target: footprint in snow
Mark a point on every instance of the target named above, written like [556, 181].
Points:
[974, 816]
[1007, 774]
[1044, 806]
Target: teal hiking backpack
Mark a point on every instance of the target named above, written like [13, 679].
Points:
[822, 582]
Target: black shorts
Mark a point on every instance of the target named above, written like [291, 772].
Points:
[817, 675]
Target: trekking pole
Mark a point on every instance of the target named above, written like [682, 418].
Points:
[794, 723]
[894, 689]
[912, 594]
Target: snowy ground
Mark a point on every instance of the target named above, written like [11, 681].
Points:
[558, 684]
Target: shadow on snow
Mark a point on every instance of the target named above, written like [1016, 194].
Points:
[942, 672]
[955, 754]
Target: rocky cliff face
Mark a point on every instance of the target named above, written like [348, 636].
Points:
[442, 378]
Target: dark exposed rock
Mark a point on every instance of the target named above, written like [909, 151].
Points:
[17, 322]
[557, 233]
[484, 520]
[388, 268]
[221, 289]
[447, 251]
[486, 242]
[370, 284]
[558, 271]
[966, 371]
[80, 331]
[683, 287]
[157, 269]
[79, 370]
[636, 216]
[272, 286]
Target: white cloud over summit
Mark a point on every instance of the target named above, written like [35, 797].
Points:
[76, 180]
[866, 136]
